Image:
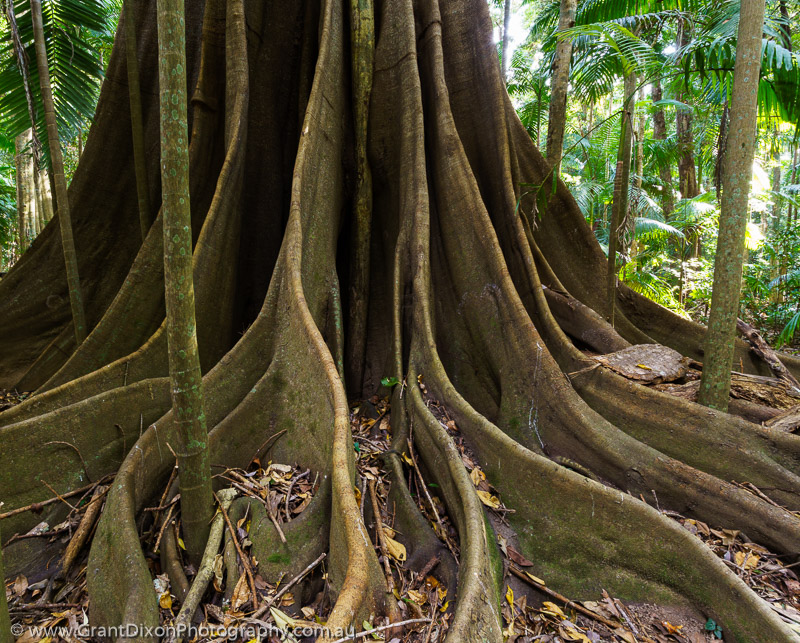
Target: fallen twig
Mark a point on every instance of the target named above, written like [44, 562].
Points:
[82, 532]
[376, 510]
[428, 496]
[37, 506]
[245, 561]
[577, 607]
[206, 569]
[375, 630]
[288, 586]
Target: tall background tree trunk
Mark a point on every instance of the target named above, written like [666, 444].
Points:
[558, 85]
[737, 174]
[687, 173]
[777, 201]
[619, 208]
[660, 134]
[137, 128]
[184, 358]
[57, 160]
[363, 37]
[504, 46]
[26, 209]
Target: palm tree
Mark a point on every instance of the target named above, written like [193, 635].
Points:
[57, 161]
[73, 33]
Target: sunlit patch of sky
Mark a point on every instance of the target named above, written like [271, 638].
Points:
[516, 31]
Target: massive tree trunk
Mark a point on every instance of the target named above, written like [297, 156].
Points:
[736, 178]
[455, 304]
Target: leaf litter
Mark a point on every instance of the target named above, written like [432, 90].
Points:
[531, 610]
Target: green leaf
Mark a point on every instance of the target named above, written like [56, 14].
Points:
[390, 381]
[711, 625]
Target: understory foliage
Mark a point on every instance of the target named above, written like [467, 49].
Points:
[688, 49]
[497, 410]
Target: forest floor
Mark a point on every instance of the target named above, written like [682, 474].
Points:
[241, 598]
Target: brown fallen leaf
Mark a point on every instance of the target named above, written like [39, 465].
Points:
[241, 594]
[20, 585]
[518, 558]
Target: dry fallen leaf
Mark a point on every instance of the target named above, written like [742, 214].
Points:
[165, 601]
[570, 633]
[241, 594]
[395, 549]
[518, 558]
[536, 579]
[219, 565]
[282, 620]
[746, 560]
[20, 585]
[418, 597]
[477, 476]
[553, 610]
[488, 499]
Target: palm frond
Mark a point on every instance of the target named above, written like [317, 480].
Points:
[73, 62]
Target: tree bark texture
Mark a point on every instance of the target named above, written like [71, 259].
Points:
[619, 208]
[504, 46]
[737, 175]
[687, 172]
[186, 381]
[455, 304]
[57, 161]
[26, 193]
[559, 83]
[664, 169]
[137, 131]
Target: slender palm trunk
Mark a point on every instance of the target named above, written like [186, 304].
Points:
[619, 207]
[687, 172]
[65, 220]
[664, 169]
[137, 127]
[640, 143]
[776, 185]
[184, 359]
[786, 29]
[558, 85]
[719, 343]
[504, 47]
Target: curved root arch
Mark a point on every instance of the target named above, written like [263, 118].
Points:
[465, 292]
